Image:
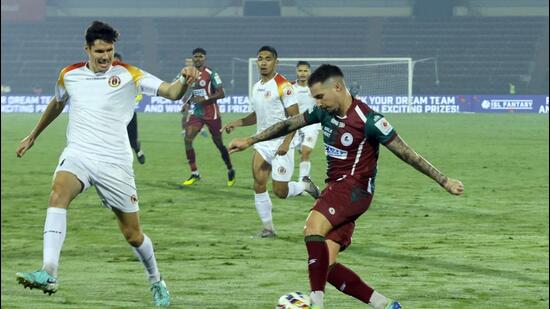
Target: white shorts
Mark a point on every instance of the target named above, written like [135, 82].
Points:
[308, 136]
[114, 182]
[282, 167]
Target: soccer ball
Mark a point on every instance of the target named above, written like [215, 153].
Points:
[294, 300]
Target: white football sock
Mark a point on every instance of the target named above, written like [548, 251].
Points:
[146, 255]
[295, 188]
[263, 207]
[378, 301]
[317, 298]
[55, 229]
[196, 173]
[305, 167]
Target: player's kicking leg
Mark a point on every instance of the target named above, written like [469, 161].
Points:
[64, 189]
[323, 244]
[143, 248]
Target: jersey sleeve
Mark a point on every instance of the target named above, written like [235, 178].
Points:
[313, 115]
[149, 84]
[216, 80]
[61, 94]
[379, 129]
[288, 95]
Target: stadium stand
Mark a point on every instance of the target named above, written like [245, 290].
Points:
[476, 55]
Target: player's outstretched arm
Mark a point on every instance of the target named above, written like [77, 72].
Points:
[407, 154]
[249, 120]
[292, 110]
[52, 111]
[277, 130]
[176, 89]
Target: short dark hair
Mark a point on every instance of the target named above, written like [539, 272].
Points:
[118, 55]
[324, 72]
[198, 50]
[302, 62]
[268, 48]
[100, 31]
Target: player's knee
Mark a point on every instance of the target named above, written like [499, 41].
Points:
[59, 196]
[310, 229]
[135, 239]
[305, 154]
[188, 141]
[280, 192]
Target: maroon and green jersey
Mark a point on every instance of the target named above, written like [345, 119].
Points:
[352, 142]
[206, 86]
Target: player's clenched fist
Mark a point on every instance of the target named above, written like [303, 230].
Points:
[190, 73]
[228, 128]
[24, 145]
[454, 186]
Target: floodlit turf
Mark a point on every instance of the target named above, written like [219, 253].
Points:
[486, 249]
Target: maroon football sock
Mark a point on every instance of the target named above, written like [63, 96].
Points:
[191, 159]
[348, 282]
[317, 251]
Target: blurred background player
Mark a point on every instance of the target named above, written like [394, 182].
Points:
[273, 100]
[352, 155]
[132, 126]
[307, 135]
[102, 95]
[205, 92]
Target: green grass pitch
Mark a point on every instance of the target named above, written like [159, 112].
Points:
[485, 249]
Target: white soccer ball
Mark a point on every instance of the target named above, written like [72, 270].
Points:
[294, 300]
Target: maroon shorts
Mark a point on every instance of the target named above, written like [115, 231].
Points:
[214, 125]
[342, 202]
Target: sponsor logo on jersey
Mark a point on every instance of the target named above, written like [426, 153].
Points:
[202, 83]
[281, 170]
[346, 139]
[114, 81]
[336, 153]
[332, 211]
[217, 79]
[267, 94]
[384, 126]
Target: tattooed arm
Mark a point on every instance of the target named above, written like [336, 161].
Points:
[279, 129]
[285, 146]
[249, 120]
[407, 154]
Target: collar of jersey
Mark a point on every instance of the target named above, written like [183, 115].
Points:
[262, 82]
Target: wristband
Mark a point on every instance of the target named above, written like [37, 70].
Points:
[182, 79]
[205, 97]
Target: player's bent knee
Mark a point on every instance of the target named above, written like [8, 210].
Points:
[188, 142]
[135, 239]
[310, 230]
[281, 193]
[60, 197]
